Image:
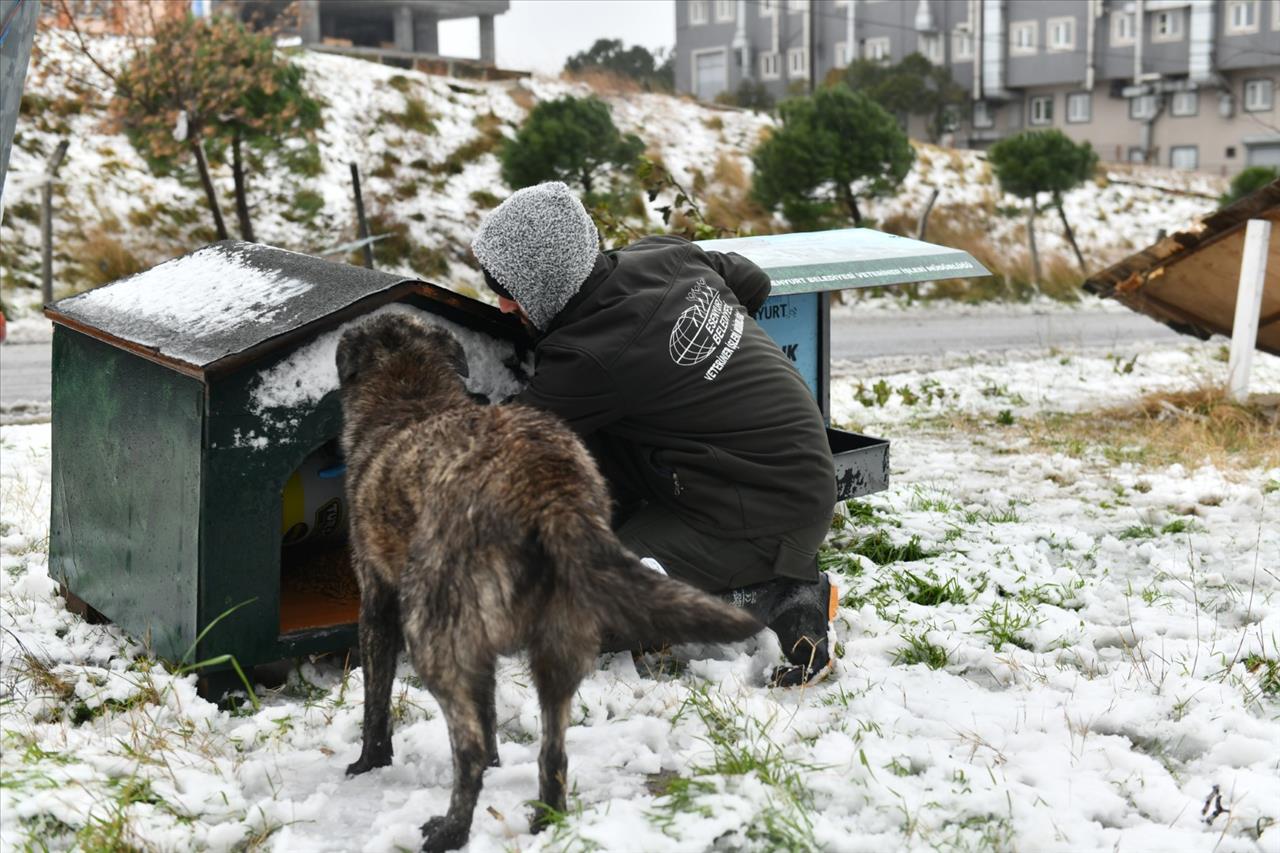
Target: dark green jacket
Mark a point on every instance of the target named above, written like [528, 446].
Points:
[656, 360]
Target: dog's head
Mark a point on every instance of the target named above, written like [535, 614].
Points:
[421, 359]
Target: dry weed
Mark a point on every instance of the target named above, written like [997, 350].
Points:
[101, 258]
[1185, 427]
[523, 97]
[604, 82]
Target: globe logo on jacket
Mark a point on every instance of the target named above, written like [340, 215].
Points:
[701, 328]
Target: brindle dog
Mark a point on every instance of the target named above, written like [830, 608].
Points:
[477, 531]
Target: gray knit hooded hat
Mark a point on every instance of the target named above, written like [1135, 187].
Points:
[539, 245]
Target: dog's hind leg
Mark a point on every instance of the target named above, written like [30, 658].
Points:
[380, 639]
[487, 702]
[557, 672]
[459, 694]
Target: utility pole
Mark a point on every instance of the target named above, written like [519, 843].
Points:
[46, 223]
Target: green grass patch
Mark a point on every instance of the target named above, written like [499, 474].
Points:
[1003, 626]
[928, 591]
[918, 649]
[1267, 671]
[1180, 525]
[741, 746]
[880, 549]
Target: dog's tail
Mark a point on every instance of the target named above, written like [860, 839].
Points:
[634, 603]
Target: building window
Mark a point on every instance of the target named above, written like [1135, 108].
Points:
[1242, 17]
[961, 45]
[1137, 155]
[726, 10]
[797, 62]
[931, 48]
[768, 8]
[1123, 29]
[697, 12]
[876, 49]
[982, 116]
[1258, 95]
[1167, 26]
[770, 66]
[1275, 15]
[1023, 36]
[1041, 111]
[1184, 104]
[842, 54]
[798, 5]
[1062, 33]
[1142, 107]
[1079, 107]
[1184, 157]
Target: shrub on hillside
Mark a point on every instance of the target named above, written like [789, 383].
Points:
[569, 139]
[210, 88]
[1248, 181]
[914, 86]
[829, 150]
[1042, 161]
[634, 63]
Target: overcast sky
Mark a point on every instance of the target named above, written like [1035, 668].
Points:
[538, 35]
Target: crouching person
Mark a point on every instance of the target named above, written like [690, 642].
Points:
[714, 449]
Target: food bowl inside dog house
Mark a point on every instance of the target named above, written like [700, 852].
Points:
[195, 467]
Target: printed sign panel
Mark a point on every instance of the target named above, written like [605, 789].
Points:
[846, 259]
[792, 322]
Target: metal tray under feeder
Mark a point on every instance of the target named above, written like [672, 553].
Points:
[180, 489]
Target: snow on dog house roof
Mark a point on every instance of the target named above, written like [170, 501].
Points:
[229, 303]
[1188, 280]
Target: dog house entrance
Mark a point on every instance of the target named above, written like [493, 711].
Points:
[318, 587]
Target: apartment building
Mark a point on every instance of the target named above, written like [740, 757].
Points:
[1186, 83]
[371, 27]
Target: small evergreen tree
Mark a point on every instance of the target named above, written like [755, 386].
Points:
[635, 63]
[569, 139]
[751, 94]
[205, 86]
[1042, 161]
[1248, 181]
[830, 149]
[914, 86]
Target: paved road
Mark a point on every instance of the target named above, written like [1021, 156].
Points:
[24, 367]
[24, 373]
[854, 337]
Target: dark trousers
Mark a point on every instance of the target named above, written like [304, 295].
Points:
[715, 563]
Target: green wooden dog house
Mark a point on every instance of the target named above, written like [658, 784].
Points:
[188, 402]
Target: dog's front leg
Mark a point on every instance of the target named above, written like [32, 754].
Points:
[380, 639]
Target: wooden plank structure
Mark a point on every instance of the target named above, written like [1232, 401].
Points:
[1188, 280]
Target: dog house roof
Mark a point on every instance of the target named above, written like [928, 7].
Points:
[225, 304]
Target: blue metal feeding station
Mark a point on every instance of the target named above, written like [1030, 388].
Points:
[806, 268]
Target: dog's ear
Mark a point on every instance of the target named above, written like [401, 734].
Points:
[457, 357]
[348, 357]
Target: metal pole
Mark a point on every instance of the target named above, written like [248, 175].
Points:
[360, 219]
[46, 223]
[923, 224]
[1244, 329]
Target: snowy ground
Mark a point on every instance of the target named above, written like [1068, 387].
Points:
[1039, 652]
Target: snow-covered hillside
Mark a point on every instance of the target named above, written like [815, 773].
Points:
[425, 146]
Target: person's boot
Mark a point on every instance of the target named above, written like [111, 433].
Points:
[801, 615]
